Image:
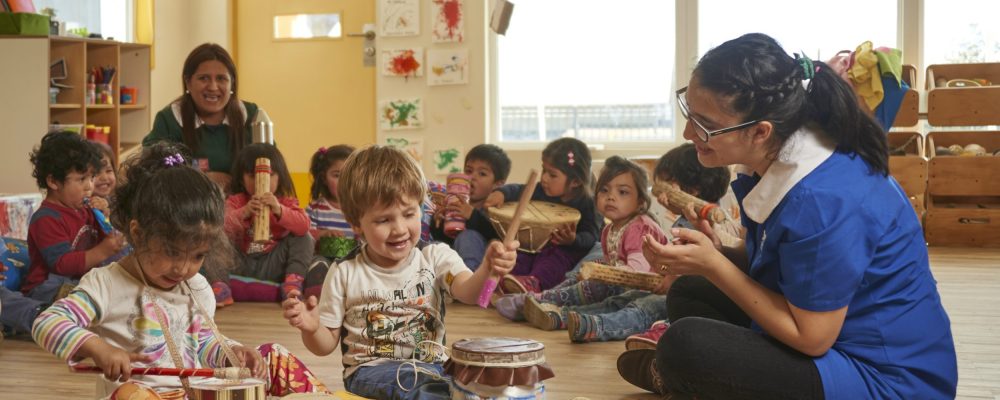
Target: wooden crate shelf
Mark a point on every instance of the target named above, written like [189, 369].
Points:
[909, 109]
[963, 106]
[910, 168]
[963, 202]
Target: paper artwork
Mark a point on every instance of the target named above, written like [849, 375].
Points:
[400, 114]
[399, 17]
[403, 62]
[449, 22]
[447, 67]
[412, 145]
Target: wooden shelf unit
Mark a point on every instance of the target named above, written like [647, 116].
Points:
[25, 74]
[910, 168]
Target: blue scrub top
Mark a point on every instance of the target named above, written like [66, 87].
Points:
[845, 237]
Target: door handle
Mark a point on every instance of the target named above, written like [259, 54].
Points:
[368, 35]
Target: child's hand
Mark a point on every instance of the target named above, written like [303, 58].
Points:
[565, 234]
[117, 363]
[463, 208]
[3, 268]
[250, 358]
[302, 315]
[495, 199]
[330, 232]
[101, 204]
[113, 243]
[501, 258]
[268, 199]
[253, 207]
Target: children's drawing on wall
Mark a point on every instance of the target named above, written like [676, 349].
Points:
[400, 114]
[449, 23]
[447, 67]
[400, 17]
[412, 145]
[403, 62]
[447, 161]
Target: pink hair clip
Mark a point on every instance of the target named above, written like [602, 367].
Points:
[322, 150]
[572, 161]
[173, 160]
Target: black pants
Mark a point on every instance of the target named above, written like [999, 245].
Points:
[711, 353]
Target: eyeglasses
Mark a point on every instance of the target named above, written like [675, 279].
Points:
[701, 130]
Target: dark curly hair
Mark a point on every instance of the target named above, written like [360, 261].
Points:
[60, 153]
[762, 82]
[174, 203]
[558, 154]
[616, 165]
[246, 161]
[494, 156]
[681, 165]
[321, 161]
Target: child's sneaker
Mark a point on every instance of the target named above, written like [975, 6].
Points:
[511, 306]
[543, 316]
[292, 282]
[582, 328]
[223, 295]
[520, 284]
[647, 339]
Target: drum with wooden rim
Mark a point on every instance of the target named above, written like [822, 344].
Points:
[497, 368]
[540, 219]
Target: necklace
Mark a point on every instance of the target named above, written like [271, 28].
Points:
[614, 241]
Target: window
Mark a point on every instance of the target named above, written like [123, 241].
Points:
[819, 31]
[597, 71]
[961, 31]
[110, 18]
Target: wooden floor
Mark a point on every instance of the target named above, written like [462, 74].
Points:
[969, 281]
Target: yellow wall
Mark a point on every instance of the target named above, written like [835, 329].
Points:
[316, 92]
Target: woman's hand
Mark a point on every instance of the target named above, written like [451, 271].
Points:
[495, 199]
[250, 358]
[664, 286]
[565, 234]
[691, 253]
[703, 225]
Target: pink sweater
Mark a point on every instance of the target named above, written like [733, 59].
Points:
[629, 247]
[240, 231]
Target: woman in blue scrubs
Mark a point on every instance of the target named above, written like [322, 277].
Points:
[832, 296]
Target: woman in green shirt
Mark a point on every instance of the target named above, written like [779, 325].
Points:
[209, 117]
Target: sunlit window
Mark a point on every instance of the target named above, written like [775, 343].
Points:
[800, 27]
[598, 71]
[961, 31]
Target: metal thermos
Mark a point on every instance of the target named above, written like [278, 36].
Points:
[263, 128]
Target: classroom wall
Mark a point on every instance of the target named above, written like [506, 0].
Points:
[180, 26]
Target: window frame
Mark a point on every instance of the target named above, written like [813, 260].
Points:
[909, 39]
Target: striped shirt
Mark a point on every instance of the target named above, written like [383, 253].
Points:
[323, 215]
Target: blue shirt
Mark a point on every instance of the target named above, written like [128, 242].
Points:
[843, 236]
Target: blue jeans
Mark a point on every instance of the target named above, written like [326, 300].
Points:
[379, 382]
[19, 311]
[471, 246]
[624, 315]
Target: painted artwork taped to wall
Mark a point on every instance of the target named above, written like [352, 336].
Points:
[400, 114]
[447, 67]
[449, 21]
[412, 145]
[403, 62]
[447, 161]
[399, 17]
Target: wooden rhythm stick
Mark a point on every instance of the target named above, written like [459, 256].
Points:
[515, 223]
[262, 184]
[679, 200]
[231, 373]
